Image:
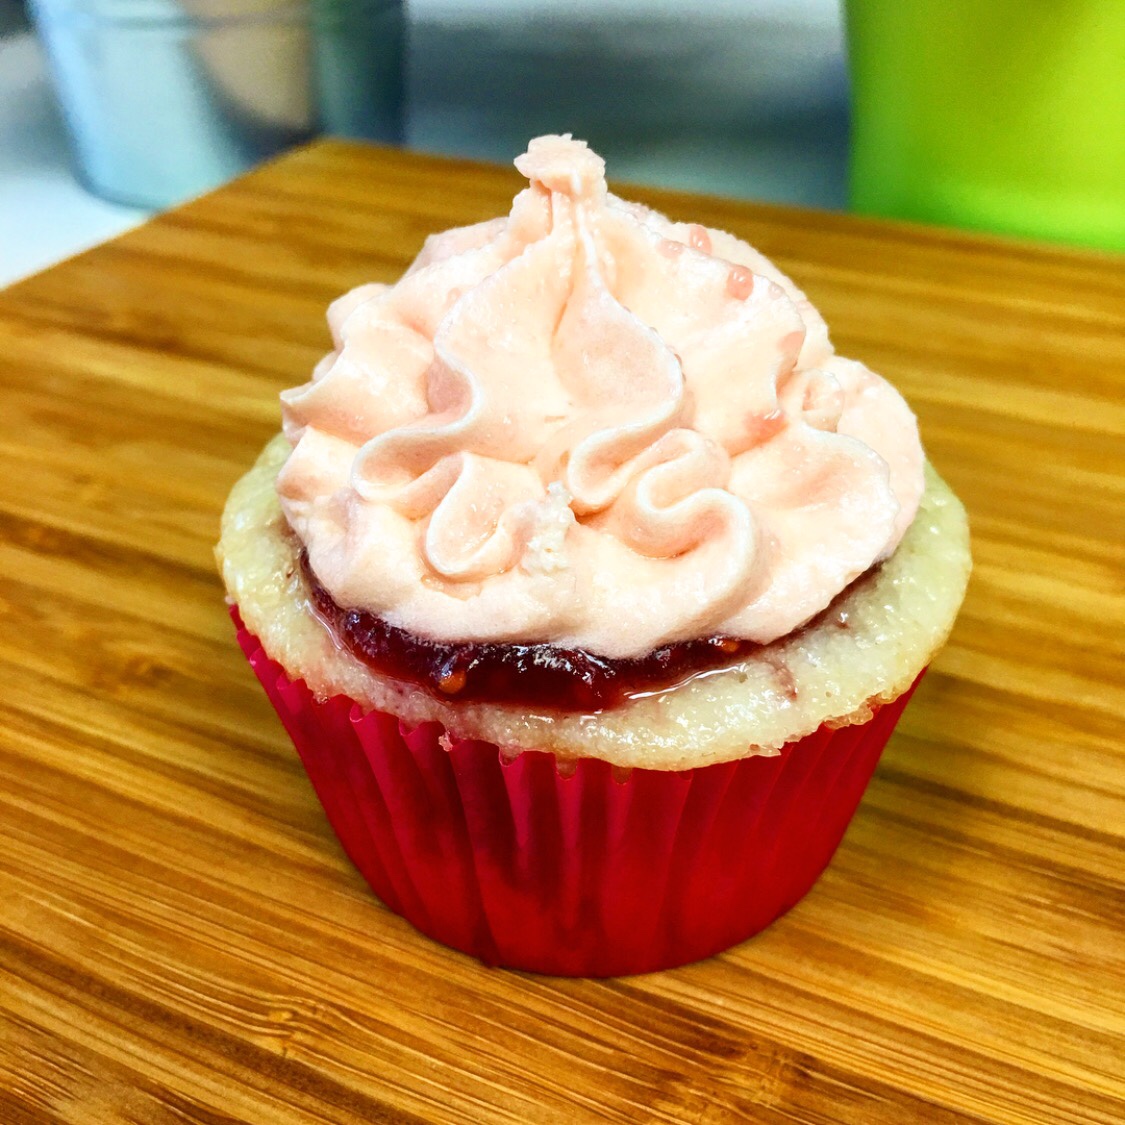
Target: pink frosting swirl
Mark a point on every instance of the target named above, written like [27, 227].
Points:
[588, 425]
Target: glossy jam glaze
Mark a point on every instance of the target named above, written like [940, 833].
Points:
[535, 675]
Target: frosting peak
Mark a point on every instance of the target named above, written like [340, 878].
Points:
[586, 424]
[564, 165]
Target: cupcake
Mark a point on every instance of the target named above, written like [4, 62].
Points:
[589, 581]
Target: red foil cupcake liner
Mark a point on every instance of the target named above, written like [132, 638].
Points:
[579, 871]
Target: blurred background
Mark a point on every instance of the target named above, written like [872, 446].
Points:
[743, 99]
[1002, 115]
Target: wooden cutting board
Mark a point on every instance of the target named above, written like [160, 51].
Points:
[181, 939]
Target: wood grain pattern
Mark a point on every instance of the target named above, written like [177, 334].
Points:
[182, 940]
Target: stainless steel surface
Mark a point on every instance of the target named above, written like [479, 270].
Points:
[165, 99]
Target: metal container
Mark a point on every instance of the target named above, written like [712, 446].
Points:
[165, 99]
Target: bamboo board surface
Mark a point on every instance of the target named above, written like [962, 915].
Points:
[181, 939]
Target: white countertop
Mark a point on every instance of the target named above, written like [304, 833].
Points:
[748, 101]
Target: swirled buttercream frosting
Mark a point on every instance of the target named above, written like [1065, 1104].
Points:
[584, 424]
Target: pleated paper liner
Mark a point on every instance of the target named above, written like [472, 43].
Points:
[580, 870]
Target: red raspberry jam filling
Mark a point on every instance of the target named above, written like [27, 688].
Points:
[542, 675]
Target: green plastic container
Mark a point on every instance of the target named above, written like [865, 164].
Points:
[1000, 115]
